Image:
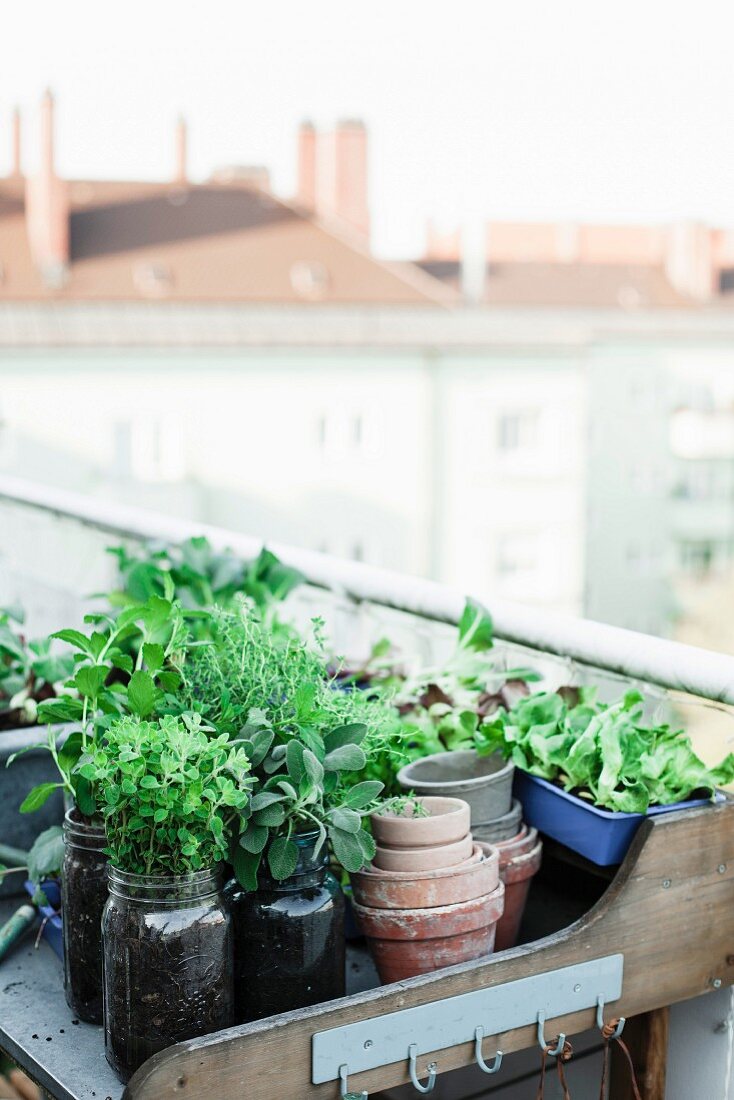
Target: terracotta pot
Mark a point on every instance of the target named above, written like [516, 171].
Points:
[485, 782]
[423, 859]
[517, 876]
[518, 846]
[428, 889]
[406, 942]
[449, 821]
[502, 828]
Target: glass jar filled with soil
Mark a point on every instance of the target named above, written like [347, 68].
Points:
[84, 893]
[167, 963]
[289, 937]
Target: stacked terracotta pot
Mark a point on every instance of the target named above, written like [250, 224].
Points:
[485, 782]
[432, 897]
[520, 857]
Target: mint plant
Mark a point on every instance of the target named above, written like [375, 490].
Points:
[29, 671]
[106, 683]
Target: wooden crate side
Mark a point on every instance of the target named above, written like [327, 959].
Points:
[668, 910]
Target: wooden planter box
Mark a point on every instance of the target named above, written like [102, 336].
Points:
[668, 911]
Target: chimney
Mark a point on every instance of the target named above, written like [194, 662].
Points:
[16, 170]
[689, 261]
[474, 251]
[341, 178]
[181, 150]
[47, 207]
[307, 165]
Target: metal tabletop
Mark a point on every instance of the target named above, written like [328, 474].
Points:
[64, 1056]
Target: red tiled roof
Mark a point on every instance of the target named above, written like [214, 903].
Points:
[208, 242]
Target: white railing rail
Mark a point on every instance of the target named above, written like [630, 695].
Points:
[638, 656]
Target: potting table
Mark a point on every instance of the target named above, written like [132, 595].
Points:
[661, 932]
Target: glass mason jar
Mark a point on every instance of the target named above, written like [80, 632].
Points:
[167, 963]
[84, 893]
[288, 937]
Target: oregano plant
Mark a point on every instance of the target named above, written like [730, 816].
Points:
[172, 793]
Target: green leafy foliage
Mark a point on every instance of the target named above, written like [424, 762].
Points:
[202, 578]
[104, 683]
[172, 793]
[46, 855]
[442, 708]
[306, 740]
[605, 753]
[30, 671]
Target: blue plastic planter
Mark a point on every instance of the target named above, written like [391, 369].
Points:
[50, 914]
[602, 836]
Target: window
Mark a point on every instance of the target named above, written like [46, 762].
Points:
[149, 449]
[517, 431]
[516, 555]
[696, 558]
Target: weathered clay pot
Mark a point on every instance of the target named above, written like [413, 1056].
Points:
[485, 782]
[517, 876]
[502, 828]
[449, 821]
[516, 846]
[423, 859]
[428, 889]
[406, 942]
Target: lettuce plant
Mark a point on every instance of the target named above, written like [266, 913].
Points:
[30, 671]
[606, 754]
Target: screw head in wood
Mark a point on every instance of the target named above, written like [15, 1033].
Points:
[666, 883]
[716, 983]
[721, 868]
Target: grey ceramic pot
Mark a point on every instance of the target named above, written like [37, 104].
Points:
[16, 829]
[502, 828]
[485, 782]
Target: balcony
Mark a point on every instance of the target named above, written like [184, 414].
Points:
[52, 558]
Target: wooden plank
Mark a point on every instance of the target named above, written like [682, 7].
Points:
[646, 1037]
[667, 910]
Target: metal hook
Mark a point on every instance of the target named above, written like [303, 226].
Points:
[541, 1038]
[600, 1020]
[344, 1092]
[432, 1071]
[478, 1036]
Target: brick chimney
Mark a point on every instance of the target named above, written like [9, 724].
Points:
[332, 176]
[47, 207]
[16, 171]
[689, 261]
[307, 165]
[181, 150]
[342, 177]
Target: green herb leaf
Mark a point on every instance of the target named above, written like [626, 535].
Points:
[282, 858]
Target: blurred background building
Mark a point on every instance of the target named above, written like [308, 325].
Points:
[541, 411]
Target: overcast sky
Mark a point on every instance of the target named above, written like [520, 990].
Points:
[516, 108]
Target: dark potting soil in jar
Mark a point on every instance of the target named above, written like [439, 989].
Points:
[84, 893]
[167, 964]
[289, 938]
